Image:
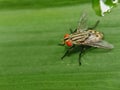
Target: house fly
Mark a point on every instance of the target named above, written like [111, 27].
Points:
[84, 38]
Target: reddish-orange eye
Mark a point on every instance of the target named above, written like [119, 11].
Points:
[68, 43]
[66, 35]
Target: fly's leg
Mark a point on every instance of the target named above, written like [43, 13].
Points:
[96, 24]
[67, 52]
[61, 44]
[80, 55]
[82, 52]
[74, 30]
[71, 31]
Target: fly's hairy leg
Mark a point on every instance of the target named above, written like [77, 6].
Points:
[82, 52]
[74, 30]
[71, 31]
[96, 24]
[61, 44]
[67, 52]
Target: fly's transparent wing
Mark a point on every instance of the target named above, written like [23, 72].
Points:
[102, 44]
[82, 25]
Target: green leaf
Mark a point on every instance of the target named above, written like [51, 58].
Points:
[30, 56]
[103, 6]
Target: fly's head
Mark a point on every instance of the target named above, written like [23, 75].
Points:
[67, 40]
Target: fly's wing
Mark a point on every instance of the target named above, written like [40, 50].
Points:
[82, 25]
[102, 44]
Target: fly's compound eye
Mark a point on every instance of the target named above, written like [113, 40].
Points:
[66, 36]
[68, 43]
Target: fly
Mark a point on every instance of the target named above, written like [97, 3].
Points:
[84, 38]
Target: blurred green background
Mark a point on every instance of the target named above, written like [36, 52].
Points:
[30, 57]
[15, 4]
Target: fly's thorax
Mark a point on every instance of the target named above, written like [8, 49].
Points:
[79, 37]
